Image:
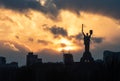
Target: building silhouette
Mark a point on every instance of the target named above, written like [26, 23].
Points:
[110, 57]
[68, 58]
[32, 59]
[3, 63]
[2, 60]
[12, 65]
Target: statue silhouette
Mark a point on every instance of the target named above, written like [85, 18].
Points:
[87, 38]
[87, 55]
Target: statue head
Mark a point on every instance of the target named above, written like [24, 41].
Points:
[86, 34]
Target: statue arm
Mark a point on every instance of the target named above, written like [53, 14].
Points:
[90, 35]
[82, 30]
[91, 32]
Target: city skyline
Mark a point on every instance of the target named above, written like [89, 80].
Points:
[50, 26]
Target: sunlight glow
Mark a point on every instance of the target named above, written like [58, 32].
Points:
[42, 2]
[69, 46]
[65, 41]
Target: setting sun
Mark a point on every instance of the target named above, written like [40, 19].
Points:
[65, 41]
[66, 45]
[67, 48]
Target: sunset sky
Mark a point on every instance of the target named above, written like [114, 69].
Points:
[47, 27]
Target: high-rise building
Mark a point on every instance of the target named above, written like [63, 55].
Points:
[68, 58]
[2, 60]
[32, 59]
[110, 57]
[12, 65]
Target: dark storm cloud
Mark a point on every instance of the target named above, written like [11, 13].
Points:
[19, 4]
[105, 7]
[79, 36]
[58, 31]
[97, 39]
[24, 5]
[94, 39]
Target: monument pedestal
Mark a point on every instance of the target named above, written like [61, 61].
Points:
[87, 57]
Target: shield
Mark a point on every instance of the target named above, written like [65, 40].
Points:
[91, 31]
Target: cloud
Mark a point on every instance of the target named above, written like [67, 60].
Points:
[52, 8]
[63, 45]
[6, 18]
[11, 46]
[31, 39]
[13, 52]
[43, 42]
[104, 7]
[97, 39]
[24, 5]
[19, 4]
[79, 36]
[94, 39]
[58, 31]
[17, 37]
